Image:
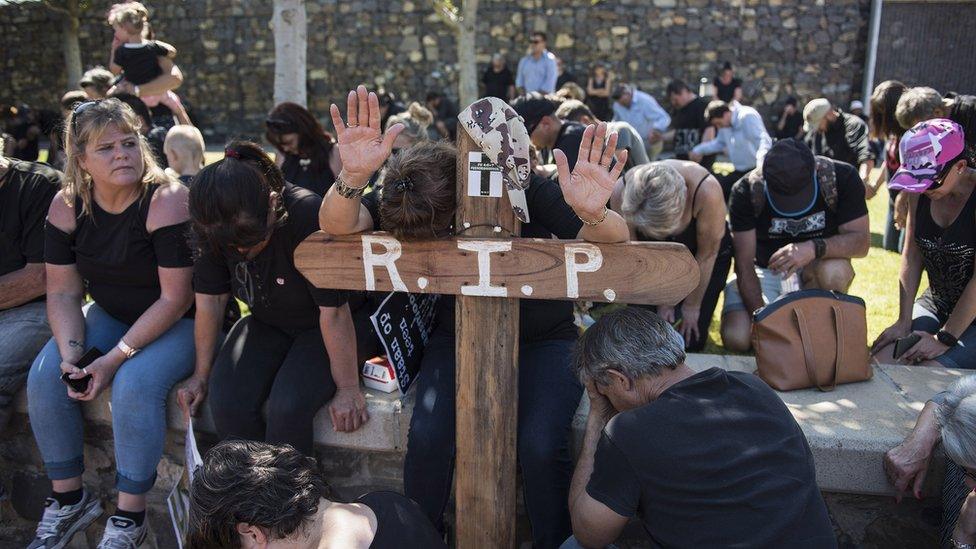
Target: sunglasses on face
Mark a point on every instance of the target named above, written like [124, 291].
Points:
[969, 476]
[77, 110]
[940, 178]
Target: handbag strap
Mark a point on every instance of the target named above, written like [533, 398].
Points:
[805, 341]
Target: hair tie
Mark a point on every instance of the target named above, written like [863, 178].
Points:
[403, 185]
[231, 153]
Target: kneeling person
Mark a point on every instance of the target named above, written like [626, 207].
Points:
[798, 214]
[708, 459]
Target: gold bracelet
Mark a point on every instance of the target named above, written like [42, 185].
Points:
[606, 211]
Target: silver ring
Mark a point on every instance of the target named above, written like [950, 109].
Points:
[352, 125]
[85, 371]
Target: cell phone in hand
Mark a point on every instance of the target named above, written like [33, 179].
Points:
[80, 385]
[903, 344]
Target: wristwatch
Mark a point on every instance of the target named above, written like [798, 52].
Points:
[347, 191]
[129, 352]
[947, 339]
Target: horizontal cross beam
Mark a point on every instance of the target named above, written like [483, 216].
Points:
[655, 273]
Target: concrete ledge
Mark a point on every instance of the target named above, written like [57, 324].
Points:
[849, 429]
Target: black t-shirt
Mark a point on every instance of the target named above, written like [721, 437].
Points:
[773, 231]
[272, 287]
[118, 258]
[726, 92]
[794, 122]
[716, 461]
[846, 140]
[22, 129]
[157, 139]
[26, 191]
[551, 216]
[139, 62]
[400, 524]
[564, 79]
[569, 139]
[689, 123]
[498, 83]
[305, 177]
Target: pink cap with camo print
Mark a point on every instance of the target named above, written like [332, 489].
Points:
[925, 150]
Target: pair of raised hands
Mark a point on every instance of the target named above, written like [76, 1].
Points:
[363, 148]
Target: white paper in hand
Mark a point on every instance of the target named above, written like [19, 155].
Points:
[178, 500]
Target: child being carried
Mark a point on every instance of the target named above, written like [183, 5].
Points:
[138, 57]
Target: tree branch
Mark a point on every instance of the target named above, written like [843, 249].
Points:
[448, 12]
[47, 4]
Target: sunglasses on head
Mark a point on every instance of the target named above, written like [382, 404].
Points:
[277, 125]
[78, 109]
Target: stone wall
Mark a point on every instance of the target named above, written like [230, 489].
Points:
[781, 47]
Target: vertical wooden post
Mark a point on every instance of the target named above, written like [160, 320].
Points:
[487, 384]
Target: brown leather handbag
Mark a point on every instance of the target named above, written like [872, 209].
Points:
[812, 338]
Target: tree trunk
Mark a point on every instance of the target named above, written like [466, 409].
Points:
[466, 53]
[291, 40]
[72, 50]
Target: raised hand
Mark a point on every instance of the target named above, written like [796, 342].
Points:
[588, 187]
[362, 146]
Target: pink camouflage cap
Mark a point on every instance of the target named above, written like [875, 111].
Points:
[925, 150]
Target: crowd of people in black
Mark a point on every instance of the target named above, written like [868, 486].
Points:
[126, 263]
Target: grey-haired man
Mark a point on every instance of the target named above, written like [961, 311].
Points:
[708, 459]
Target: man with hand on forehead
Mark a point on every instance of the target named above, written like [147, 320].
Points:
[547, 131]
[797, 214]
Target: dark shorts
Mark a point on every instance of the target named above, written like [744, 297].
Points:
[960, 356]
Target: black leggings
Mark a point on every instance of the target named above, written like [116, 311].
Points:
[260, 363]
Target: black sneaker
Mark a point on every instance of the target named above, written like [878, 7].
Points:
[60, 524]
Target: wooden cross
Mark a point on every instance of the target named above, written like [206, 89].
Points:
[489, 273]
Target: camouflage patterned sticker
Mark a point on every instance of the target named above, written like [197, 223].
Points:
[500, 133]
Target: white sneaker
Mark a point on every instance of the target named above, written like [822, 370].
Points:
[60, 524]
[122, 533]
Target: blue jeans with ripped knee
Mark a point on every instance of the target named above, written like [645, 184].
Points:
[139, 392]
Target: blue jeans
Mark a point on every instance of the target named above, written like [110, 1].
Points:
[549, 394]
[139, 392]
[24, 332]
[573, 543]
[893, 237]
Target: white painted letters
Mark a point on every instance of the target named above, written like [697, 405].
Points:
[386, 259]
[594, 260]
[484, 248]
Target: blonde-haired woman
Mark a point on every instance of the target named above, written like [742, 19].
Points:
[416, 121]
[116, 231]
[680, 201]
